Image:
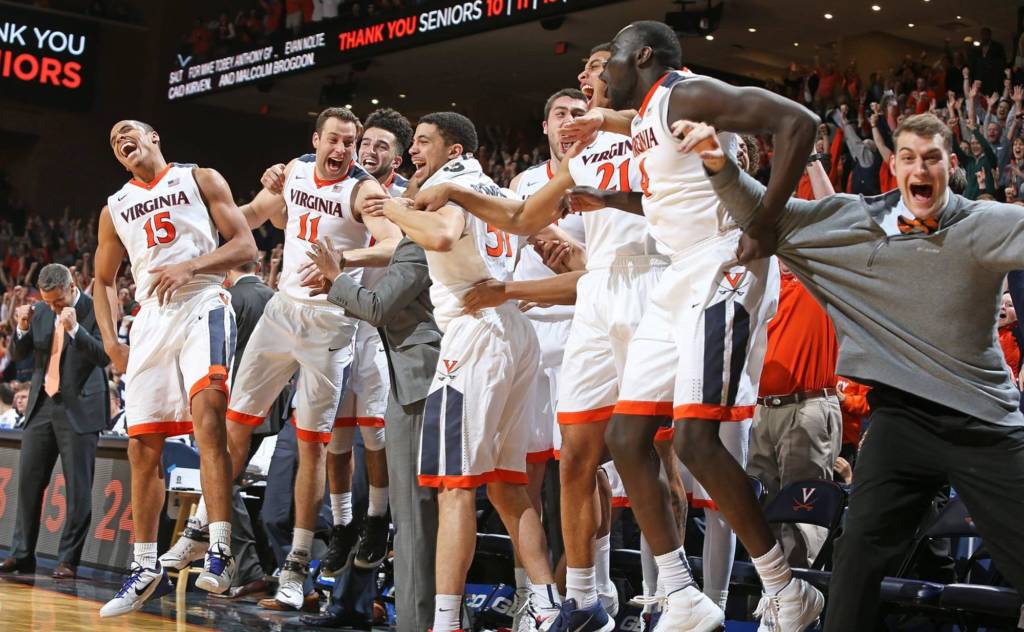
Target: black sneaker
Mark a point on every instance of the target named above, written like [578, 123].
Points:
[343, 538]
[373, 542]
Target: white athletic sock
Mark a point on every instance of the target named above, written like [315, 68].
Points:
[302, 544]
[378, 501]
[673, 571]
[341, 509]
[447, 613]
[545, 597]
[719, 551]
[145, 554]
[649, 568]
[773, 569]
[602, 565]
[581, 585]
[200, 516]
[522, 579]
[220, 533]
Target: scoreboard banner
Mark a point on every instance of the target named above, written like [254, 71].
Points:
[46, 58]
[340, 41]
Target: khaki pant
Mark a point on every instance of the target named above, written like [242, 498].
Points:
[793, 443]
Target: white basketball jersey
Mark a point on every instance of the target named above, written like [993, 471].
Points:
[481, 252]
[606, 164]
[163, 223]
[679, 202]
[530, 265]
[318, 209]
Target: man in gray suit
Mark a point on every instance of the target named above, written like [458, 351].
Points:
[399, 306]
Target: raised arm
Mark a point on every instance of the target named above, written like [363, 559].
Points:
[385, 234]
[269, 203]
[752, 111]
[434, 231]
[109, 254]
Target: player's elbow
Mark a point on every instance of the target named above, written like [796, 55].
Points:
[441, 243]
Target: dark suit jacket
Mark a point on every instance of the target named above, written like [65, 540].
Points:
[83, 382]
[399, 307]
[249, 297]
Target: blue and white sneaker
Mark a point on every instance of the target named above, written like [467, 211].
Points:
[142, 585]
[218, 571]
[191, 546]
[574, 619]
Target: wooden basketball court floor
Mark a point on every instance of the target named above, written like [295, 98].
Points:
[37, 603]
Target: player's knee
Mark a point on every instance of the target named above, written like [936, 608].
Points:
[503, 495]
[694, 439]
[144, 454]
[626, 440]
[373, 438]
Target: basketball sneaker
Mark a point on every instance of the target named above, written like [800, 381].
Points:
[691, 610]
[218, 571]
[142, 584]
[794, 609]
[191, 546]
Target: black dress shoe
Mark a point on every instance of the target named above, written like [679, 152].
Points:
[14, 565]
[64, 571]
[333, 618]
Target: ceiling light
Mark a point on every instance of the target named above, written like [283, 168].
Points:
[752, 30]
[828, 16]
[348, 106]
[875, 7]
[374, 101]
[312, 114]
[401, 96]
[453, 103]
[796, 43]
[977, 43]
[910, 24]
[959, 18]
[709, 38]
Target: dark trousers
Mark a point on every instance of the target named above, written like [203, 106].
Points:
[48, 435]
[912, 449]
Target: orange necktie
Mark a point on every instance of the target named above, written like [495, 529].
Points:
[52, 382]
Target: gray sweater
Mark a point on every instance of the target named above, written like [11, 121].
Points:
[914, 312]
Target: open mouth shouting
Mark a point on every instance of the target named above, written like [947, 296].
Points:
[128, 148]
[922, 194]
[334, 165]
[421, 169]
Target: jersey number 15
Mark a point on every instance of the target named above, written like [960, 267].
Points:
[159, 230]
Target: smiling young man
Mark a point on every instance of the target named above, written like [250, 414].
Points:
[324, 196]
[912, 280]
[168, 219]
[481, 402]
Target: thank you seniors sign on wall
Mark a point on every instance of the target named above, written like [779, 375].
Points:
[46, 58]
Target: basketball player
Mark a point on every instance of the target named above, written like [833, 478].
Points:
[324, 196]
[386, 137]
[481, 402]
[622, 266]
[700, 346]
[168, 219]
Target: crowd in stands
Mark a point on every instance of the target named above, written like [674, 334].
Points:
[266, 20]
[976, 88]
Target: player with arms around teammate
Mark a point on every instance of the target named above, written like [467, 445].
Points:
[623, 266]
[481, 402]
[167, 219]
[705, 330]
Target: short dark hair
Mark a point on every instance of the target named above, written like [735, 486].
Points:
[344, 114]
[392, 121]
[248, 267]
[925, 125]
[662, 40]
[6, 394]
[603, 47]
[454, 128]
[572, 93]
[753, 153]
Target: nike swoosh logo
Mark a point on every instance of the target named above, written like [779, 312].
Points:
[122, 196]
[582, 625]
[334, 349]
